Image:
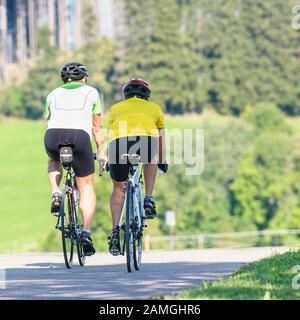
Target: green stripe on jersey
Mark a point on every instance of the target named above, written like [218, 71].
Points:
[72, 85]
[97, 107]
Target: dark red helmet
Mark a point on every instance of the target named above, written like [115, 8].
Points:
[136, 87]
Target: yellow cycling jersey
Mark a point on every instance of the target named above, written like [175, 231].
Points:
[134, 117]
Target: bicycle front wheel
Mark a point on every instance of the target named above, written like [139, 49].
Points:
[129, 241]
[66, 229]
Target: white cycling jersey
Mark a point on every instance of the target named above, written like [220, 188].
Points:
[72, 106]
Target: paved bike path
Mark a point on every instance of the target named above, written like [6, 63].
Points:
[44, 276]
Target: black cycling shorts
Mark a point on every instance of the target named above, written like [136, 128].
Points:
[83, 158]
[145, 146]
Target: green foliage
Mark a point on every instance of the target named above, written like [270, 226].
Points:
[224, 55]
[250, 59]
[11, 102]
[265, 117]
[265, 176]
[89, 22]
[99, 58]
[44, 46]
[41, 79]
[158, 53]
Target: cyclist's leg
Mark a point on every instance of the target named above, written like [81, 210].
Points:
[55, 171]
[51, 142]
[119, 174]
[149, 152]
[87, 200]
[84, 168]
[87, 203]
[116, 205]
[117, 201]
[150, 172]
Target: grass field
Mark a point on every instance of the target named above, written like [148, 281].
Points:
[25, 192]
[24, 185]
[267, 279]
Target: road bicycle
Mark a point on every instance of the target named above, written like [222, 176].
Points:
[133, 217]
[68, 221]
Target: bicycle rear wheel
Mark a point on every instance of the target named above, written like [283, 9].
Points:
[129, 242]
[138, 233]
[80, 253]
[66, 229]
[77, 231]
[137, 251]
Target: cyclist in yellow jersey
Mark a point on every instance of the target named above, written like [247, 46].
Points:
[136, 125]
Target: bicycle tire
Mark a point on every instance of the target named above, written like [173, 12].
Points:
[80, 254]
[137, 252]
[128, 231]
[138, 239]
[67, 237]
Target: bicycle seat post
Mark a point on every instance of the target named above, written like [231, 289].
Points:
[133, 160]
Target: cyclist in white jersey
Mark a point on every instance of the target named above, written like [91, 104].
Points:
[74, 113]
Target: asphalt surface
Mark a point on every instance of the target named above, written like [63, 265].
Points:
[44, 276]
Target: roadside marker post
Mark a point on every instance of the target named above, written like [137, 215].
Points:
[171, 222]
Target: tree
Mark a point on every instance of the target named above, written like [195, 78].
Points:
[159, 52]
[251, 50]
[265, 117]
[11, 102]
[42, 78]
[99, 58]
[89, 25]
[264, 177]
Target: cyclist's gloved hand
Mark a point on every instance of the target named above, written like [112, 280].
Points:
[163, 167]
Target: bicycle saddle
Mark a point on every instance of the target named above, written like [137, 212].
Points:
[133, 159]
[66, 154]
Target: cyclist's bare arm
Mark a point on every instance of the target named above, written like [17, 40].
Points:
[98, 132]
[162, 146]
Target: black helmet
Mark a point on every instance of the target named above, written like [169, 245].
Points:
[73, 71]
[136, 87]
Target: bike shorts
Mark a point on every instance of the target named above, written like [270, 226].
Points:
[145, 146]
[83, 158]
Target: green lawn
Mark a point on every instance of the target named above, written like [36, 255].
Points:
[267, 279]
[24, 194]
[25, 191]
